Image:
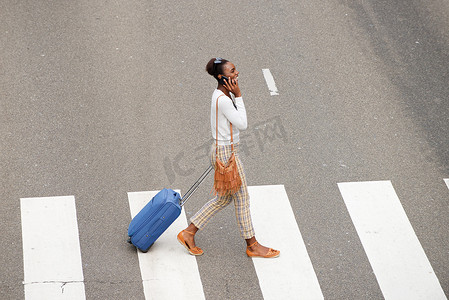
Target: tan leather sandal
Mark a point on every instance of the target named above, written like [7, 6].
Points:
[271, 252]
[194, 251]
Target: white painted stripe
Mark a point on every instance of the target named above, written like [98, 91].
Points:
[395, 253]
[168, 271]
[270, 82]
[51, 249]
[447, 182]
[290, 276]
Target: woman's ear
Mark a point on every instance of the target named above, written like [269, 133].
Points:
[219, 76]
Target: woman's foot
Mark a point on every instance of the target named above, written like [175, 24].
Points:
[257, 250]
[186, 238]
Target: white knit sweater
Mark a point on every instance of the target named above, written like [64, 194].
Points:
[227, 113]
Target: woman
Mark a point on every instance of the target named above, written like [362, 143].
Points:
[230, 109]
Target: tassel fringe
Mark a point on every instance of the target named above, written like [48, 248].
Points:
[227, 180]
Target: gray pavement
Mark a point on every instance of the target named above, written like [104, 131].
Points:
[101, 98]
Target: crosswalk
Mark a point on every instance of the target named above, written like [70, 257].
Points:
[396, 256]
[291, 276]
[53, 267]
[51, 249]
[161, 267]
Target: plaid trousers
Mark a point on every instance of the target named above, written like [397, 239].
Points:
[241, 198]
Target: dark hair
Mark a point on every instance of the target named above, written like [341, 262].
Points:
[215, 66]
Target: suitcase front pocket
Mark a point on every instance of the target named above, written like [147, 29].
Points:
[153, 228]
[164, 221]
[158, 227]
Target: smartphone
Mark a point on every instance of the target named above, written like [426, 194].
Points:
[222, 79]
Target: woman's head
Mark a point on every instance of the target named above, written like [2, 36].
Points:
[218, 67]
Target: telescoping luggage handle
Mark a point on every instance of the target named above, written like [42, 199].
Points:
[195, 186]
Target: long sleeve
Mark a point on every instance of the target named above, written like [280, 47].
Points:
[227, 113]
[236, 116]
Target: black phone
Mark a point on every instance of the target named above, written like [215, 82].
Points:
[222, 79]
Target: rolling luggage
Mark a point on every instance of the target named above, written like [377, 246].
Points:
[158, 214]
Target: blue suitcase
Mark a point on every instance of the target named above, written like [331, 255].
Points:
[158, 214]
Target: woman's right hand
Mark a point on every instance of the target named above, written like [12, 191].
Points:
[232, 85]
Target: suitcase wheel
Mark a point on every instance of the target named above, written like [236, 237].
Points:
[145, 251]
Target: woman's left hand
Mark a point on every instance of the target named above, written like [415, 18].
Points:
[232, 85]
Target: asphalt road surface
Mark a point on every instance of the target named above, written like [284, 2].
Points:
[104, 98]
